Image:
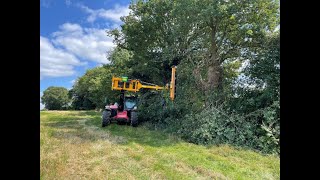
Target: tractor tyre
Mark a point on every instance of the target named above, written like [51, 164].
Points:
[106, 118]
[134, 119]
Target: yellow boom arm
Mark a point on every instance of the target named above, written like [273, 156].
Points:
[134, 85]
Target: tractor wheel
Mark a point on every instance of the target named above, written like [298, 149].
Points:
[106, 118]
[134, 119]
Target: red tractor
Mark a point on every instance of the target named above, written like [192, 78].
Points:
[126, 110]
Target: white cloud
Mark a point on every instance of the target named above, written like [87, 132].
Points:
[41, 105]
[73, 81]
[46, 3]
[89, 43]
[72, 43]
[68, 2]
[55, 62]
[107, 14]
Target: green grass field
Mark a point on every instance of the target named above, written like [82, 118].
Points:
[73, 145]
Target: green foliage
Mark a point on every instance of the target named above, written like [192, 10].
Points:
[91, 90]
[216, 126]
[120, 62]
[160, 111]
[213, 125]
[270, 142]
[55, 98]
[250, 119]
[210, 42]
[261, 101]
[204, 33]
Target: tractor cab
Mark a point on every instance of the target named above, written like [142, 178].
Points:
[127, 103]
[130, 103]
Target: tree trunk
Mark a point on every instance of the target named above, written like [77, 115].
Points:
[214, 74]
[213, 81]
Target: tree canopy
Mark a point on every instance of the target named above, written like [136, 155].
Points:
[228, 75]
[55, 98]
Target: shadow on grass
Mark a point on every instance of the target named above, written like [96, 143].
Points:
[86, 126]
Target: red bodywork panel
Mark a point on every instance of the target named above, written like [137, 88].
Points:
[122, 115]
[113, 107]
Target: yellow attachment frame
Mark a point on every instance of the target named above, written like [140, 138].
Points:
[173, 83]
[134, 85]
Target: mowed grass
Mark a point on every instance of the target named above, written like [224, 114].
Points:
[73, 145]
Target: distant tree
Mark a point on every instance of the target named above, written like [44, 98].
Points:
[55, 98]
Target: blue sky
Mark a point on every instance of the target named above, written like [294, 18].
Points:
[73, 38]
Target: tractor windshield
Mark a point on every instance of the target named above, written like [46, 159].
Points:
[129, 104]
